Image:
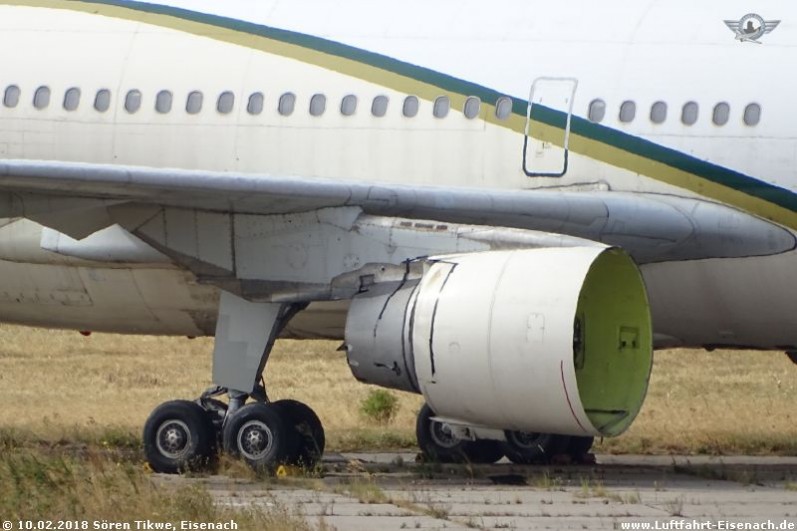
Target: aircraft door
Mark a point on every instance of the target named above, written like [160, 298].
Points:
[545, 146]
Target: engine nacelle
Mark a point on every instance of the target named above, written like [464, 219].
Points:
[540, 340]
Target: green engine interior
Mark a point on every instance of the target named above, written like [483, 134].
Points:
[613, 342]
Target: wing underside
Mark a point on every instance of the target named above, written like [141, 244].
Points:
[79, 199]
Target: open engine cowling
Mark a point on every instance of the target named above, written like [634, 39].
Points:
[540, 340]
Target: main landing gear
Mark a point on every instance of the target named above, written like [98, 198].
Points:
[182, 435]
[439, 443]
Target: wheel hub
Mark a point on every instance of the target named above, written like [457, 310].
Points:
[526, 440]
[255, 440]
[172, 439]
[443, 435]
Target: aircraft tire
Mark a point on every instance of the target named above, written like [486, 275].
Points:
[532, 448]
[578, 447]
[437, 444]
[483, 451]
[179, 437]
[308, 432]
[258, 434]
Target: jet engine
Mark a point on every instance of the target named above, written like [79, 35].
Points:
[552, 340]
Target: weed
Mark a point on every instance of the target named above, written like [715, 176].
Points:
[365, 491]
[675, 507]
[437, 511]
[544, 481]
[596, 489]
[632, 498]
[379, 406]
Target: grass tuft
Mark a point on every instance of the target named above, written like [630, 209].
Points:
[380, 406]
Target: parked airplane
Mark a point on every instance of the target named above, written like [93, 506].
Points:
[503, 207]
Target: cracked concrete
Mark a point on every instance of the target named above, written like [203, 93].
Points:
[390, 491]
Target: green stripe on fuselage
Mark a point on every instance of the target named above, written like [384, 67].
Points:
[586, 138]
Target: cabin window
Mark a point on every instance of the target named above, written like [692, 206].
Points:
[410, 107]
[193, 104]
[163, 102]
[72, 99]
[503, 108]
[348, 105]
[722, 112]
[689, 113]
[133, 101]
[226, 102]
[752, 114]
[102, 100]
[596, 111]
[473, 106]
[627, 111]
[287, 103]
[318, 104]
[41, 98]
[379, 106]
[441, 107]
[255, 104]
[658, 112]
[11, 96]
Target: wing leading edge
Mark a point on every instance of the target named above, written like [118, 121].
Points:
[78, 198]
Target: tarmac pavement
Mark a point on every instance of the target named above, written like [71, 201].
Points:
[385, 491]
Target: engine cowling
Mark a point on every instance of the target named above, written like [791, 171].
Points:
[539, 340]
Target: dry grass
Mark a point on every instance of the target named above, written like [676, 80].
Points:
[35, 486]
[723, 402]
[58, 385]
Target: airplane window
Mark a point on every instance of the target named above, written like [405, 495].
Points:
[11, 96]
[597, 110]
[255, 105]
[287, 103]
[102, 101]
[441, 106]
[752, 114]
[627, 111]
[379, 106]
[410, 107]
[689, 113]
[318, 104]
[193, 104]
[348, 105]
[226, 102]
[133, 101]
[472, 107]
[722, 111]
[163, 102]
[72, 99]
[41, 98]
[658, 112]
[503, 108]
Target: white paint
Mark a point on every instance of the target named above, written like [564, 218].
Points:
[673, 51]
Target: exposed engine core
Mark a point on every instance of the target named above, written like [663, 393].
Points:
[542, 340]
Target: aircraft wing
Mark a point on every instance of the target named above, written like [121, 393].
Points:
[78, 199]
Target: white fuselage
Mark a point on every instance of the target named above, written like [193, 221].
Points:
[280, 102]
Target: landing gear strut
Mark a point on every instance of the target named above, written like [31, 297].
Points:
[182, 435]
